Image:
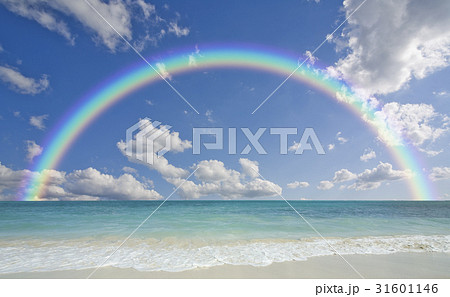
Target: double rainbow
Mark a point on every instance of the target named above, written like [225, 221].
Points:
[81, 115]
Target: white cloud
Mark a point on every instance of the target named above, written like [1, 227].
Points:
[249, 168]
[177, 30]
[208, 115]
[115, 12]
[177, 145]
[325, 185]
[38, 121]
[341, 139]
[87, 184]
[162, 71]
[390, 42]
[431, 153]
[129, 170]
[297, 184]
[22, 84]
[441, 94]
[213, 171]
[10, 181]
[331, 146]
[372, 179]
[147, 8]
[417, 123]
[149, 102]
[91, 182]
[311, 59]
[213, 177]
[368, 155]
[193, 56]
[160, 163]
[32, 10]
[119, 13]
[343, 175]
[367, 180]
[33, 150]
[438, 173]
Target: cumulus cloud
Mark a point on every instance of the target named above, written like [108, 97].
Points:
[91, 182]
[249, 168]
[214, 179]
[21, 83]
[211, 176]
[87, 184]
[212, 171]
[160, 163]
[33, 150]
[343, 175]
[325, 185]
[415, 43]
[416, 123]
[10, 181]
[331, 146]
[38, 121]
[297, 184]
[367, 180]
[372, 179]
[415, 39]
[368, 155]
[438, 173]
[119, 13]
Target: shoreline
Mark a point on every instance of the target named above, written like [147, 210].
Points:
[397, 265]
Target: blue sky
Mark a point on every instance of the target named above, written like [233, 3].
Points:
[398, 54]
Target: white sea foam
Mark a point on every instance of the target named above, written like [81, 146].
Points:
[172, 254]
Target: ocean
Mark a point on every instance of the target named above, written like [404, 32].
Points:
[184, 235]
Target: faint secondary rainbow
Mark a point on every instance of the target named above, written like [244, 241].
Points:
[81, 115]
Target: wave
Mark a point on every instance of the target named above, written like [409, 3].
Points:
[173, 254]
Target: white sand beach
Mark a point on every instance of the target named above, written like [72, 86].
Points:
[399, 265]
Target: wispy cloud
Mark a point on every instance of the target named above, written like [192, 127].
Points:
[297, 184]
[162, 70]
[38, 121]
[33, 150]
[120, 14]
[22, 84]
[177, 30]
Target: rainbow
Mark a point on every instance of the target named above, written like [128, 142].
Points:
[95, 103]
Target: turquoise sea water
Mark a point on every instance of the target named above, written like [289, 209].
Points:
[182, 235]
